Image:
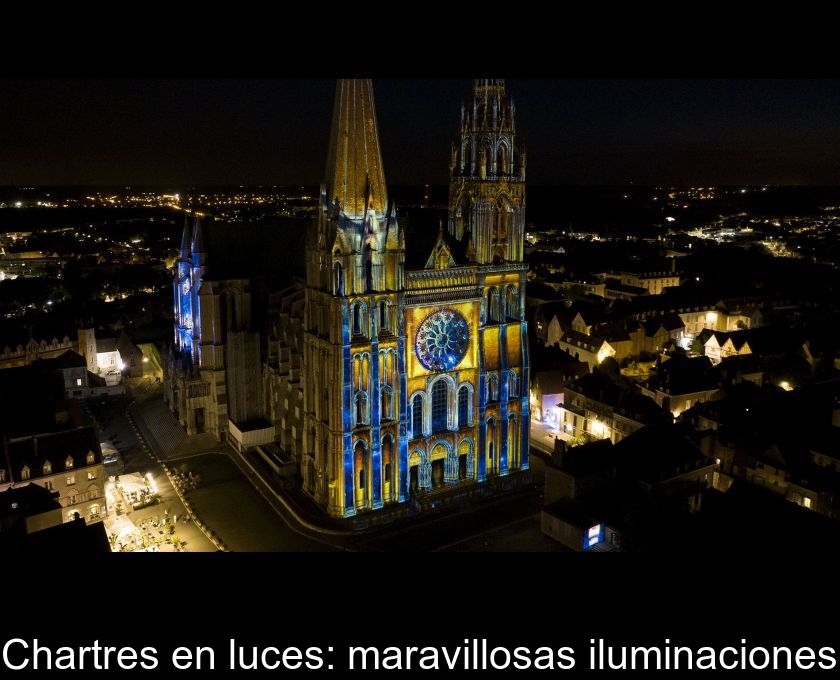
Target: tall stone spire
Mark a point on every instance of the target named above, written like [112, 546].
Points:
[186, 240]
[198, 238]
[355, 179]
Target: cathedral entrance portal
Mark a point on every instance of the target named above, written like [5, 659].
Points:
[439, 454]
[414, 473]
[466, 463]
[199, 421]
[361, 481]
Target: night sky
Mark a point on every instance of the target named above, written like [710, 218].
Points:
[192, 132]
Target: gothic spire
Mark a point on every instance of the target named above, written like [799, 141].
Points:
[186, 240]
[355, 178]
[198, 238]
[488, 84]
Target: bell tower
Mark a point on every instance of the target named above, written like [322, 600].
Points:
[355, 269]
[487, 177]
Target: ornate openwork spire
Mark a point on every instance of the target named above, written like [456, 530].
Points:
[489, 83]
[355, 178]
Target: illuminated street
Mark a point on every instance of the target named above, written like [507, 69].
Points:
[116, 429]
[543, 436]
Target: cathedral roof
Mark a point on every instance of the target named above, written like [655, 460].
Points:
[354, 174]
[423, 237]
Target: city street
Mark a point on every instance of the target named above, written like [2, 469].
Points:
[116, 429]
[248, 515]
[543, 436]
[239, 512]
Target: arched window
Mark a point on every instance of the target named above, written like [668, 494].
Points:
[492, 300]
[386, 362]
[440, 411]
[386, 399]
[513, 385]
[384, 326]
[338, 279]
[464, 406]
[502, 161]
[512, 303]
[358, 319]
[417, 416]
[492, 387]
[361, 409]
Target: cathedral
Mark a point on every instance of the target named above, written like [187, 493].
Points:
[212, 372]
[415, 346]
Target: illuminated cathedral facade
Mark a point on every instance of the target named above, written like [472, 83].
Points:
[415, 378]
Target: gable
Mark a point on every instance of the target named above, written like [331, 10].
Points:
[440, 257]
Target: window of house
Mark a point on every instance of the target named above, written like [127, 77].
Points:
[91, 475]
[68, 464]
[78, 382]
[71, 479]
[48, 485]
[2, 475]
[24, 473]
[90, 457]
[47, 468]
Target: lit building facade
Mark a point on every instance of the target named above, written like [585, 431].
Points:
[67, 462]
[415, 380]
[213, 373]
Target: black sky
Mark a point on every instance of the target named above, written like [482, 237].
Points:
[183, 132]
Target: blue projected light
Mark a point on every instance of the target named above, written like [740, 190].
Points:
[442, 340]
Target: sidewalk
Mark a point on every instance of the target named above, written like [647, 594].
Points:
[174, 447]
[170, 439]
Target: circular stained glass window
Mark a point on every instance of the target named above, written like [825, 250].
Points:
[442, 340]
